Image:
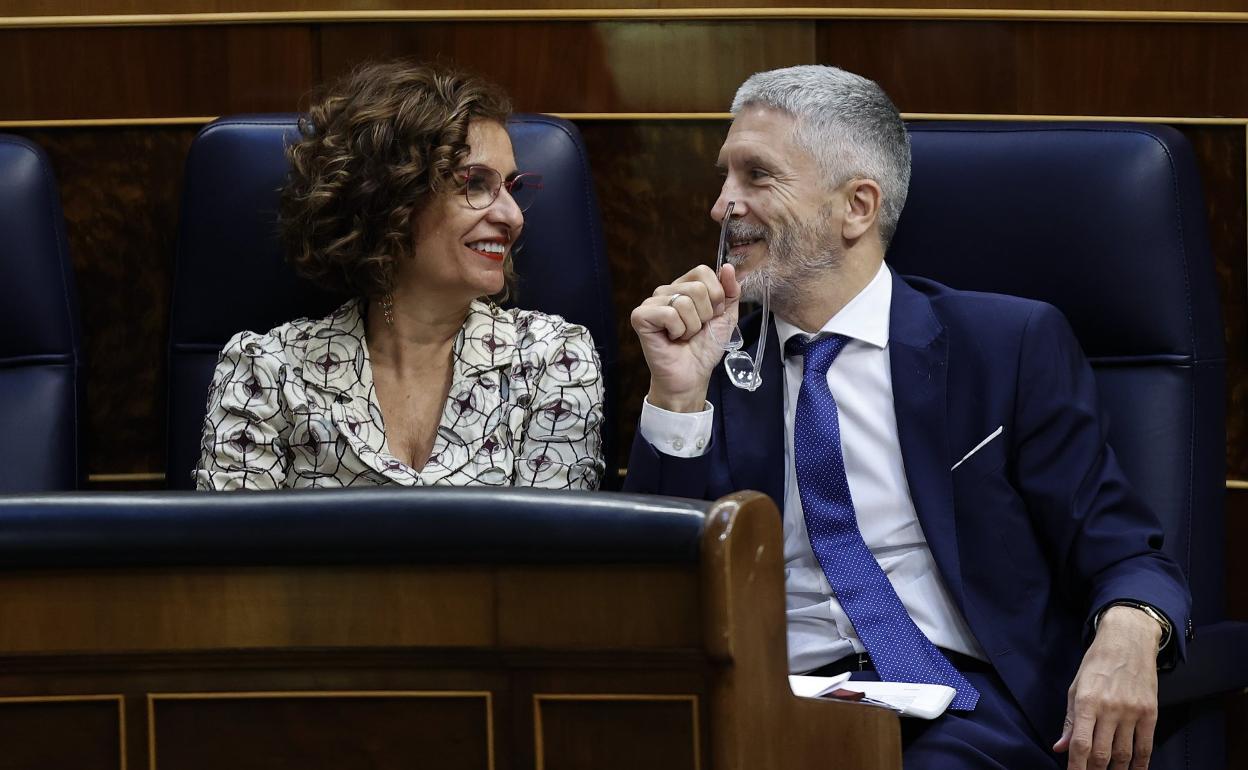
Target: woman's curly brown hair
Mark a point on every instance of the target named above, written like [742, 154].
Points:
[376, 145]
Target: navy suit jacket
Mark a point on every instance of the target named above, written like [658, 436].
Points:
[1033, 534]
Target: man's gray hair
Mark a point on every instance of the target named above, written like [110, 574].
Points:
[846, 122]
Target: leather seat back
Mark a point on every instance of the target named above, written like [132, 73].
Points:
[40, 342]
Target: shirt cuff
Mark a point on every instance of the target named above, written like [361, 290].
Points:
[679, 434]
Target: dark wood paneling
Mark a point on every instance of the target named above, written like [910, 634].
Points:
[54, 611]
[603, 734]
[1221, 151]
[927, 66]
[656, 182]
[1236, 564]
[119, 191]
[536, 604]
[344, 733]
[1047, 68]
[512, 677]
[153, 72]
[1237, 609]
[1237, 730]
[590, 67]
[84, 735]
[89, 7]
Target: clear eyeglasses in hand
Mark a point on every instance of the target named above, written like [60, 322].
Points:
[743, 370]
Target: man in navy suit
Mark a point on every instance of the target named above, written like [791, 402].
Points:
[952, 512]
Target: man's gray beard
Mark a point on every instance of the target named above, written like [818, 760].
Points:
[796, 256]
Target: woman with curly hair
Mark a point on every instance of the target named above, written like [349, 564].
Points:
[404, 193]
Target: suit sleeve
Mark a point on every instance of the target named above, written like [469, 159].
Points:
[1106, 539]
[562, 447]
[655, 472]
[243, 444]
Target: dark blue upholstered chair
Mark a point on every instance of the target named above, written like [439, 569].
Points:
[40, 348]
[1107, 222]
[230, 274]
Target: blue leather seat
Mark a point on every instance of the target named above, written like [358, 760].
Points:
[230, 274]
[40, 348]
[1107, 222]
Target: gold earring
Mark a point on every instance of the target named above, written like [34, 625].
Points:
[387, 307]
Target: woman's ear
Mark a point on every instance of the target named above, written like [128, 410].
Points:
[863, 199]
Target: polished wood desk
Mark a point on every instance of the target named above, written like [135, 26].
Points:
[422, 665]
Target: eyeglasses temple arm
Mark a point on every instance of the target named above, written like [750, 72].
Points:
[723, 238]
[763, 334]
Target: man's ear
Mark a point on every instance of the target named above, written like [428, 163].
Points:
[863, 199]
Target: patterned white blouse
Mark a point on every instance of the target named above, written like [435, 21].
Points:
[297, 408]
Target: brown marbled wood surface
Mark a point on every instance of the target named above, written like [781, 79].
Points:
[85, 7]
[119, 191]
[1052, 68]
[1237, 608]
[344, 733]
[590, 67]
[604, 734]
[84, 734]
[1221, 152]
[1020, 67]
[656, 182]
[153, 72]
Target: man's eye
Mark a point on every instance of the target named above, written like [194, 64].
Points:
[758, 173]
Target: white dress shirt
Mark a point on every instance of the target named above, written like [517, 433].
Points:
[860, 379]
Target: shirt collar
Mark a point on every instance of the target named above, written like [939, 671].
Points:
[864, 318]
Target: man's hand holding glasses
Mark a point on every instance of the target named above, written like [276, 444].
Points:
[686, 327]
[675, 327]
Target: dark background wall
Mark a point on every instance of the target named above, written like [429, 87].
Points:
[116, 89]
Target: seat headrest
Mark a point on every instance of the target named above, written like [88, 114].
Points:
[37, 296]
[1105, 221]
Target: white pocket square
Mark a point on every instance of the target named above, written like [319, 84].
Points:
[979, 446]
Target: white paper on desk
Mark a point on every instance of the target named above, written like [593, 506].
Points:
[924, 701]
[815, 686]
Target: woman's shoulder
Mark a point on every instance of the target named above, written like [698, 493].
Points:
[549, 345]
[290, 340]
[537, 329]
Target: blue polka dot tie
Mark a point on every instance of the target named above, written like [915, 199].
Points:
[898, 649]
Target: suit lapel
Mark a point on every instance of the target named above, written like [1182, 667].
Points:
[754, 422]
[919, 360]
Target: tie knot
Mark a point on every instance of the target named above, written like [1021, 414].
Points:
[819, 352]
